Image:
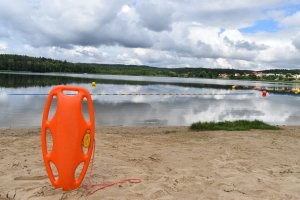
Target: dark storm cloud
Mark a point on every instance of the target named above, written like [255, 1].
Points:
[242, 44]
[183, 49]
[77, 25]
[156, 17]
[250, 45]
[117, 33]
[222, 13]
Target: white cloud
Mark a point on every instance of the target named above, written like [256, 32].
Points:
[292, 20]
[158, 33]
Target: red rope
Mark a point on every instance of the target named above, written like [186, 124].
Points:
[92, 188]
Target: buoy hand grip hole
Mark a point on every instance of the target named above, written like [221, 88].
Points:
[53, 108]
[78, 170]
[85, 110]
[54, 171]
[49, 141]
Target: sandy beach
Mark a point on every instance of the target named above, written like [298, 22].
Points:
[173, 162]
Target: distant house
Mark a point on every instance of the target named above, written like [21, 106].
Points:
[289, 75]
[223, 75]
[296, 76]
[237, 74]
[270, 74]
[258, 74]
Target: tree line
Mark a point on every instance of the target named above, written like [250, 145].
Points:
[9, 62]
[41, 64]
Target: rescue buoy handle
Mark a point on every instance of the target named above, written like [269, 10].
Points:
[45, 126]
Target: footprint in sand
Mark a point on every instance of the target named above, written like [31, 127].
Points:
[30, 178]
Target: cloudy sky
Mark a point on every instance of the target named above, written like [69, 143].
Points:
[244, 34]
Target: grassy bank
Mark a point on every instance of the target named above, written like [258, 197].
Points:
[240, 125]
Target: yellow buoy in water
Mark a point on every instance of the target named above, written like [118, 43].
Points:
[296, 90]
[93, 84]
[233, 87]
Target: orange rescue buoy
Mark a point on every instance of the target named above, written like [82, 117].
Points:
[69, 131]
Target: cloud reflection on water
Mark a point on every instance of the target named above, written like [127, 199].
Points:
[169, 110]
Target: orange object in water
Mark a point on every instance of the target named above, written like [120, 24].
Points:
[69, 129]
[264, 93]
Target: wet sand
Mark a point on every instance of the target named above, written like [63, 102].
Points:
[173, 162]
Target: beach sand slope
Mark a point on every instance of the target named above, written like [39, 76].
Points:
[173, 162]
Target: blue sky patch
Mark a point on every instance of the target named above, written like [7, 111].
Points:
[268, 25]
[290, 9]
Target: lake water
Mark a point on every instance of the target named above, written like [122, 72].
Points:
[214, 99]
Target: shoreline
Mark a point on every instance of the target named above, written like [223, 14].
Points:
[145, 77]
[173, 162]
[70, 73]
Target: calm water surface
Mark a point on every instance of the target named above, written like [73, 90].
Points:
[218, 102]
